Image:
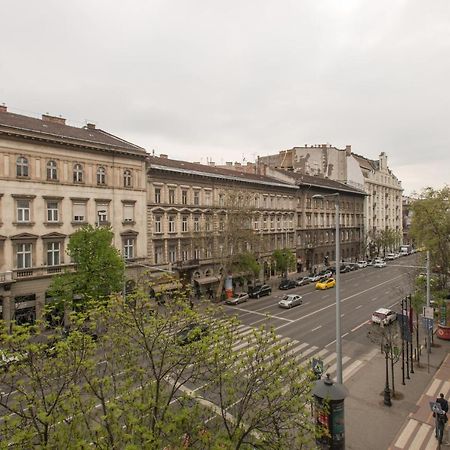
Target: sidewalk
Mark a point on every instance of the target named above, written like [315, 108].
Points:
[408, 423]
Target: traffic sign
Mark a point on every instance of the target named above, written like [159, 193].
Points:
[428, 312]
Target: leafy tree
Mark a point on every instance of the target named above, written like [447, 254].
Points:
[247, 263]
[283, 260]
[99, 268]
[430, 227]
[140, 386]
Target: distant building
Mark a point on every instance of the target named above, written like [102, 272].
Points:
[54, 179]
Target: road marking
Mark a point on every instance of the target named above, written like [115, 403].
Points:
[351, 369]
[332, 368]
[373, 299]
[345, 299]
[314, 329]
[406, 433]
[265, 315]
[343, 314]
[393, 304]
[330, 343]
[420, 436]
[306, 352]
[433, 388]
[345, 334]
[360, 306]
[359, 326]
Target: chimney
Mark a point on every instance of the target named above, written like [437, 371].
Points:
[211, 163]
[348, 150]
[229, 164]
[48, 118]
[3, 108]
[163, 156]
[90, 126]
[237, 164]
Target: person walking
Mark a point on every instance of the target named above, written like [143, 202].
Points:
[440, 414]
[444, 403]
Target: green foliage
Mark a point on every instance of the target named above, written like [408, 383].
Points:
[247, 263]
[283, 259]
[137, 387]
[430, 227]
[99, 268]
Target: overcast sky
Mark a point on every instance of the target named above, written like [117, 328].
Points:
[229, 80]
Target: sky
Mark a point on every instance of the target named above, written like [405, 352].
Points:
[210, 80]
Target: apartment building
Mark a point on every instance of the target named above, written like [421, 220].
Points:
[383, 203]
[188, 213]
[54, 179]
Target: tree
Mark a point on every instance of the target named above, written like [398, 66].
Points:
[99, 269]
[247, 263]
[283, 260]
[140, 386]
[430, 227]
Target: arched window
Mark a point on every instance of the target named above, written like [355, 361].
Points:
[127, 180]
[22, 166]
[52, 170]
[78, 173]
[101, 175]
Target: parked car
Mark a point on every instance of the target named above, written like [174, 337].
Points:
[390, 257]
[260, 291]
[353, 266]
[302, 281]
[344, 268]
[287, 284]
[362, 264]
[192, 332]
[289, 301]
[326, 283]
[327, 273]
[370, 262]
[384, 316]
[239, 298]
[379, 263]
[314, 277]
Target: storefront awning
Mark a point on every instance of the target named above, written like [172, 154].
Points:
[206, 280]
[173, 286]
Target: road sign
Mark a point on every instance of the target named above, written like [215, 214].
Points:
[427, 323]
[428, 312]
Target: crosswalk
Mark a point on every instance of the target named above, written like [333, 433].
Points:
[303, 352]
[418, 432]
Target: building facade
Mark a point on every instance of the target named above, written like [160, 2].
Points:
[190, 212]
[56, 178]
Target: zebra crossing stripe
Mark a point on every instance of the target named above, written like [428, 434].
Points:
[329, 358]
[306, 353]
[332, 368]
[351, 369]
[406, 433]
[295, 350]
[420, 436]
[433, 388]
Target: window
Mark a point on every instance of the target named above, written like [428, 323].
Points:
[52, 211]
[157, 195]
[171, 196]
[196, 253]
[79, 212]
[78, 173]
[196, 198]
[208, 198]
[102, 213]
[52, 170]
[196, 223]
[158, 227]
[158, 255]
[127, 179]
[171, 224]
[184, 197]
[128, 212]
[172, 254]
[184, 224]
[184, 254]
[23, 256]
[101, 175]
[207, 223]
[53, 253]
[221, 224]
[221, 200]
[23, 211]
[22, 166]
[208, 252]
[256, 224]
[128, 248]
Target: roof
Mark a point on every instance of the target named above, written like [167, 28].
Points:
[58, 132]
[366, 163]
[318, 181]
[178, 166]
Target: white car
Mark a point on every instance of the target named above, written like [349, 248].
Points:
[362, 264]
[239, 298]
[288, 301]
[379, 263]
[384, 316]
[313, 278]
[390, 257]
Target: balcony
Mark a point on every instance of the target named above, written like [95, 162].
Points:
[31, 272]
[186, 264]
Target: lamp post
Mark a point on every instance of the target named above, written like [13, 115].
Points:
[387, 391]
[338, 301]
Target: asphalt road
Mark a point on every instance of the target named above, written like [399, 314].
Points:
[361, 293]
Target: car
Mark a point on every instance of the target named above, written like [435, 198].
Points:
[326, 283]
[302, 281]
[379, 263]
[239, 298]
[260, 291]
[370, 262]
[313, 277]
[289, 301]
[287, 284]
[390, 257]
[327, 273]
[344, 268]
[192, 333]
[362, 264]
[353, 266]
[384, 316]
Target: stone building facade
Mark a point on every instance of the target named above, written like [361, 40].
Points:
[54, 179]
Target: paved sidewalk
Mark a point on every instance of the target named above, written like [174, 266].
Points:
[408, 423]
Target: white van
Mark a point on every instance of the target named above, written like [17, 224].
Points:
[384, 316]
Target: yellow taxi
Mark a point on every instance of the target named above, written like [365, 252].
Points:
[326, 283]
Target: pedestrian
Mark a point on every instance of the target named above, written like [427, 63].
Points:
[444, 403]
[440, 414]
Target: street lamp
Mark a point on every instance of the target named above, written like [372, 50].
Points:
[338, 301]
